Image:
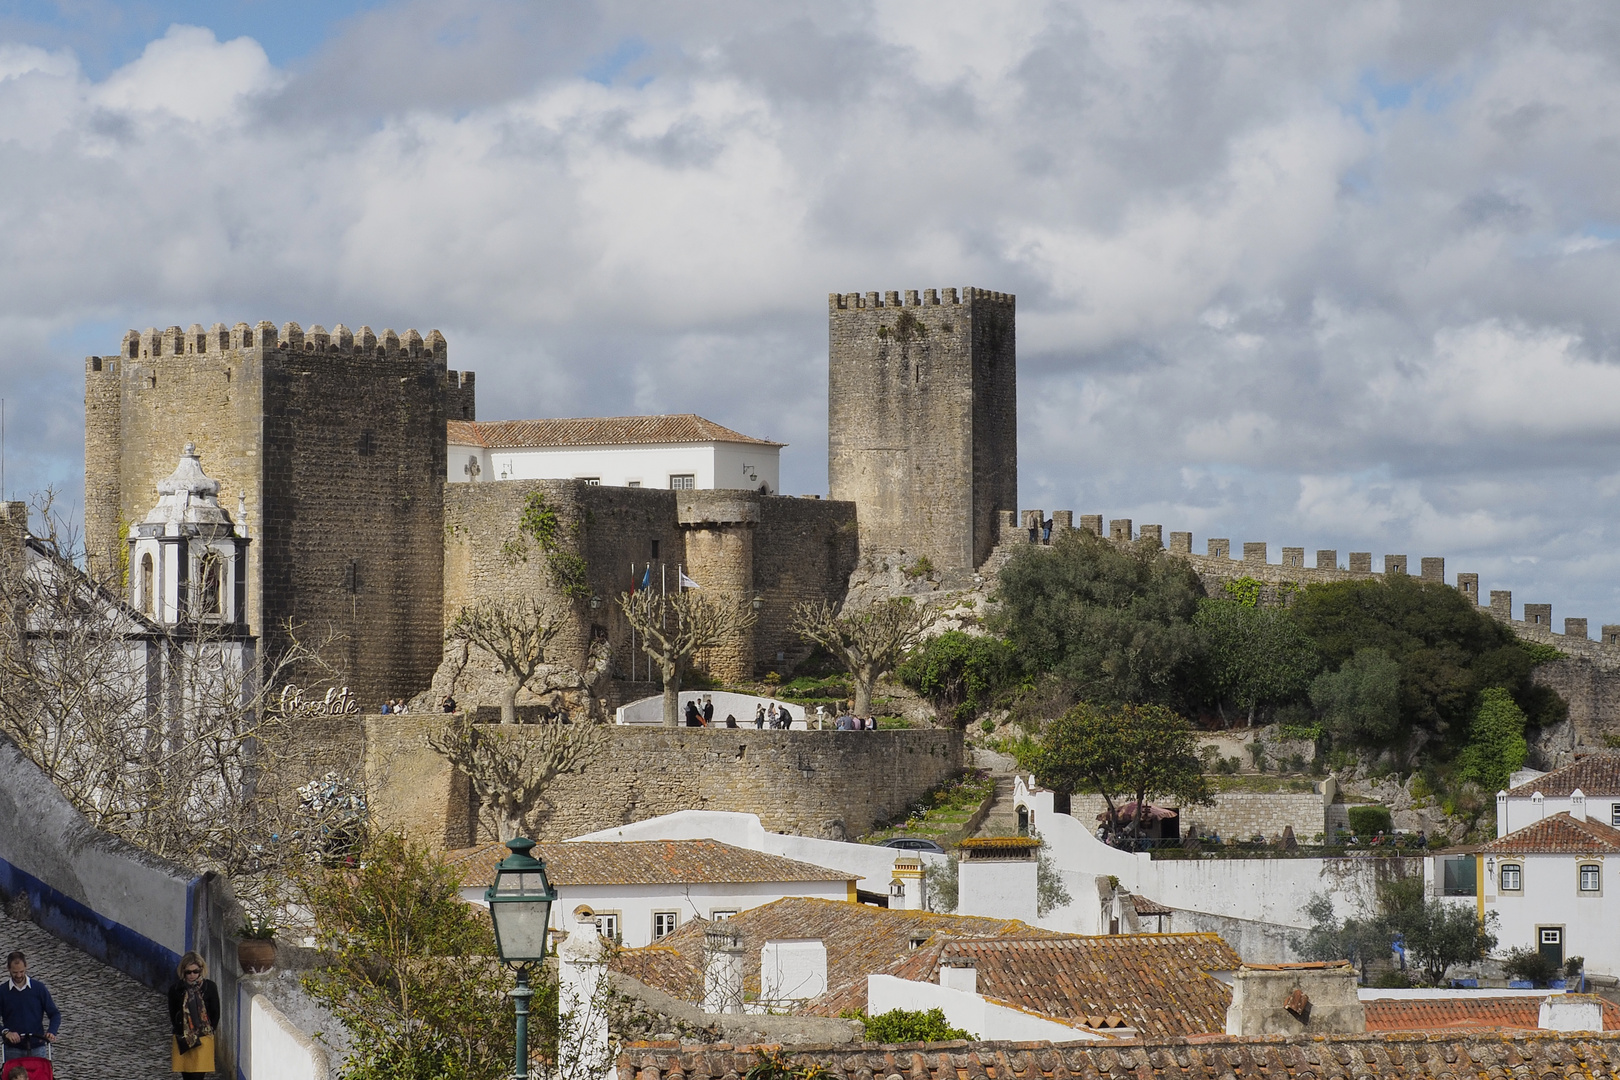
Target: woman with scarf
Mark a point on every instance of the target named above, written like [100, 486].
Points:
[194, 1014]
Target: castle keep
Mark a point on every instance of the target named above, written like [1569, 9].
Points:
[332, 445]
[922, 419]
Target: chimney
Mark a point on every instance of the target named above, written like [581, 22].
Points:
[1577, 804]
[722, 971]
[792, 970]
[1571, 1012]
[1296, 999]
[959, 973]
[906, 889]
[996, 877]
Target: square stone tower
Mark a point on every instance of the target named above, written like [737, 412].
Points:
[331, 446]
[922, 419]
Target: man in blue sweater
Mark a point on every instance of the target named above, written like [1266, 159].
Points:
[25, 1005]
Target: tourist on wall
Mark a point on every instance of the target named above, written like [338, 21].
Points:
[731, 721]
[25, 1009]
[708, 710]
[693, 717]
[759, 717]
[194, 1014]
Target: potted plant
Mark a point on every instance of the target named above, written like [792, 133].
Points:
[256, 946]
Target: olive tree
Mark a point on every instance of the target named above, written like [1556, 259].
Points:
[869, 643]
[673, 627]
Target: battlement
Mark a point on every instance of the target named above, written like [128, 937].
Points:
[926, 298]
[219, 339]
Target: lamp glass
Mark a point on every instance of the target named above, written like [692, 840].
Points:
[520, 902]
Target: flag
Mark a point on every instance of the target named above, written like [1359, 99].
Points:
[646, 580]
[688, 583]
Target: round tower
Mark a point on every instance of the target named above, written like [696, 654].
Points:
[719, 531]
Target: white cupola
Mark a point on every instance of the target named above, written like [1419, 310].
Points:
[186, 562]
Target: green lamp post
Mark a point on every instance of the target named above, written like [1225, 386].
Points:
[520, 902]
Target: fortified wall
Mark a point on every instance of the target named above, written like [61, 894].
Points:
[333, 447]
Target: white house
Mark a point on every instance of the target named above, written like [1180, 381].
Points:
[1594, 779]
[639, 892]
[680, 452]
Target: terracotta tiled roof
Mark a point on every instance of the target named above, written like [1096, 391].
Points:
[670, 970]
[1597, 774]
[1557, 834]
[1144, 906]
[1156, 982]
[646, 862]
[1209, 1057]
[860, 939]
[595, 431]
[1467, 1014]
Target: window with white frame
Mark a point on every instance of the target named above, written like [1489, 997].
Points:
[664, 923]
[722, 914]
[682, 481]
[1614, 814]
[607, 924]
[1511, 877]
[592, 481]
[1591, 877]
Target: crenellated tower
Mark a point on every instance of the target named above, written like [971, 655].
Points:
[922, 419]
[332, 447]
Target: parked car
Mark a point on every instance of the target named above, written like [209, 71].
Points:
[912, 843]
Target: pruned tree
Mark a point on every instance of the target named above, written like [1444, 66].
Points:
[869, 643]
[516, 634]
[674, 627]
[510, 766]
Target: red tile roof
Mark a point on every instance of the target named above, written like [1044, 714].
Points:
[1559, 834]
[1157, 982]
[1467, 1014]
[647, 862]
[1211, 1057]
[595, 431]
[1596, 774]
[1144, 906]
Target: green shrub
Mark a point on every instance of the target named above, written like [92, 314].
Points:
[1529, 965]
[908, 1026]
[1496, 744]
[1370, 820]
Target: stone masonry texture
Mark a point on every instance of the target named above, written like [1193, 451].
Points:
[922, 424]
[832, 784]
[336, 445]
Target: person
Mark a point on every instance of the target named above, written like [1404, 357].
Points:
[448, 704]
[399, 706]
[731, 721]
[759, 717]
[17, 1071]
[1046, 531]
[194, 1014]
[25, 1005]
[693, 717]
[846, 720]
[387, 707]
[708, 710]
[771, 715]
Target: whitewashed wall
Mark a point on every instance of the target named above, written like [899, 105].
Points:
[1551, 896]
[711, 465]
[969, 1011]
[1520, 813]
[650, 710]
[275, 1049]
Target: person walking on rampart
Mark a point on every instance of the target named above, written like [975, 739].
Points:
[708, 710]
[693, 717]
[194, 1016]
[759, 717]
[26, 1009]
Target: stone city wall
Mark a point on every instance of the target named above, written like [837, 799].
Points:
[830, 784]
[1235, 815]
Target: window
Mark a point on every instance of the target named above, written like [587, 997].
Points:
[682, 481]
[664, 923]
[1458, 876]
[1591, 877]
[722, 914]
[632, 483]
[592, 481]
[1510, 877]
[209, 574]
[1614, 814]
[146, 583]
[607, 924]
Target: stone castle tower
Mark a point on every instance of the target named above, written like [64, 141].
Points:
[922, 420]
[333, 447]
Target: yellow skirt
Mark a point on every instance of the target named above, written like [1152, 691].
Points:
[199, 1058]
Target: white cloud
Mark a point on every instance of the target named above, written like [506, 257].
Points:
[191, 76]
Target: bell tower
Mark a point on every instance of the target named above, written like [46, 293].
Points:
[187, 562]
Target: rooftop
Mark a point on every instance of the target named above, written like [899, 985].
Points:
[1559, 834]
[1596, 774]
[595, 431]
[1209, 1057]
[646, 862]
[1466, 1014]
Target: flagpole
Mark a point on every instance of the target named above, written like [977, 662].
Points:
[632, 625]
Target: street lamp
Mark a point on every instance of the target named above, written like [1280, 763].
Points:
[520, 902]
[596, 602]
[757, 602]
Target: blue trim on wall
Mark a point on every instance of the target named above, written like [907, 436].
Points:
[191, 914]
[113, 943]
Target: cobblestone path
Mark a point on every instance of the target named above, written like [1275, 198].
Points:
[113, 1028]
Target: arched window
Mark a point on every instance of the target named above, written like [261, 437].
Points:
[146, 584]
[210, 579]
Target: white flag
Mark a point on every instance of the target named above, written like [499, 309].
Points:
[688, 583]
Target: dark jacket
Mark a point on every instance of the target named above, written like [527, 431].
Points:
[177, 1001]
[708, 711]
[22, 1010]
[693, 717]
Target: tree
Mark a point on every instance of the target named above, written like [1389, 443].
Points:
[1256, 655]
[673, 627]
[1496, 744]
[1116, 622]
[410, 968]
[1360, 941]
[510, 767]
[516, 634]
[1138, 750]
[958, 672]
[1360, 702]
[868, 643]
[1439, 935]
[908, 1026]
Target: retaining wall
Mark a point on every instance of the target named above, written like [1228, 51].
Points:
[1238, 814]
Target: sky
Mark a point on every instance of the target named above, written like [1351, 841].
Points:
[1329, 275]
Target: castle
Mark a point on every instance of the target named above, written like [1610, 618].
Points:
[333, 445]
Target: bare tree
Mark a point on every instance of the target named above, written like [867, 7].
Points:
[869, 643]
[516, 633]
[510, 766]
[673, 627]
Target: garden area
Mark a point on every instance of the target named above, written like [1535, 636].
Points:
[945, 815]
